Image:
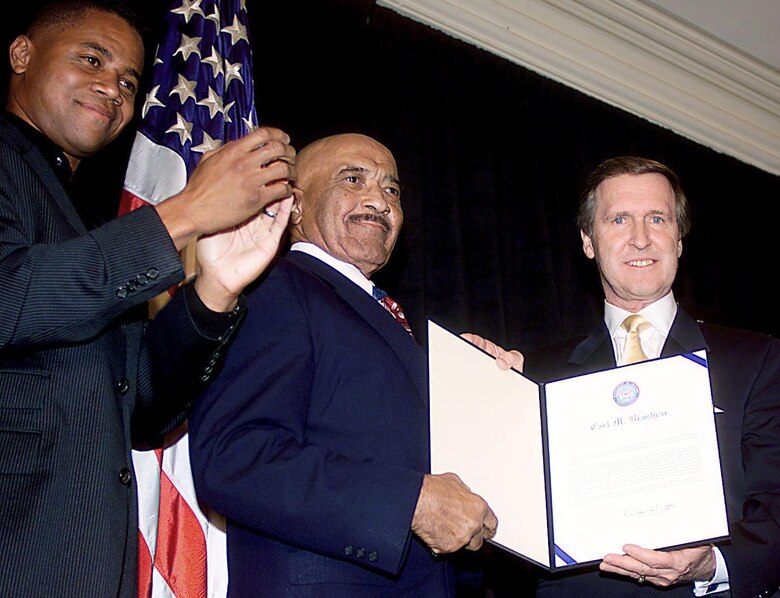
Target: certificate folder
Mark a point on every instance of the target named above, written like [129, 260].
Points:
[576, 468]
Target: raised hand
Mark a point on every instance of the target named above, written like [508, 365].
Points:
[231, 259]
[231, 185]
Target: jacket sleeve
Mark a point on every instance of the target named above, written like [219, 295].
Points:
[66, 288]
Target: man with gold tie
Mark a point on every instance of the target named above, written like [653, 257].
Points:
[633, 216]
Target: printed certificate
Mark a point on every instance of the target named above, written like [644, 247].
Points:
[576, 468]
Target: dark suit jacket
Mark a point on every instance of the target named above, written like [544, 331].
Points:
[313, 442]
[745, 376]
[76, 364]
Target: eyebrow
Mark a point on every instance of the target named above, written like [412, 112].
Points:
[361, 170]
[105, 53]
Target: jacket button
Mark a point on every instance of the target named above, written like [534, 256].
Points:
[142, 279]
[360, 553]
[123, 385]
[125, 476]
[348, 550]
[121, 292]
[373, 556]
[152, 273]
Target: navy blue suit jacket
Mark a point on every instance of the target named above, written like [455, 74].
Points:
[745, 377]
[313, 442]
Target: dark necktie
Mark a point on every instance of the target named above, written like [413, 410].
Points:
[392, 306]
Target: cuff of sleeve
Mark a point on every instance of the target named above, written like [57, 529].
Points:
[212, 324]
[719, 581]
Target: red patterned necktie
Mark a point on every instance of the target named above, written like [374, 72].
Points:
[392, 306]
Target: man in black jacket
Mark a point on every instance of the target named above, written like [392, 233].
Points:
[81, 370]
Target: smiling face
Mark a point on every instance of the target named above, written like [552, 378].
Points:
[348, 200]
[635, 240]
[76, 82]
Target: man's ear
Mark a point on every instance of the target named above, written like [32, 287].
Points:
[19, 54]
[587, 244]
[295, 213]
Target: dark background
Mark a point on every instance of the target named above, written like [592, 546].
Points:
[492, 157]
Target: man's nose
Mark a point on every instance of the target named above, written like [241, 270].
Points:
[108, 85]
[374, 199]
[639, 236]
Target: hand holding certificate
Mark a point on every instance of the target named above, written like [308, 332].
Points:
[576, 468]
[662, 568]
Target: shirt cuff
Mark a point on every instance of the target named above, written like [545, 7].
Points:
[212, 324]
[719, 581]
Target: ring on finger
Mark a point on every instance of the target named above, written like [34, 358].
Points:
[640, 579]
[269, 213]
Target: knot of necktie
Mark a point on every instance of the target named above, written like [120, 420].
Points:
[392, 306]
[632, 351]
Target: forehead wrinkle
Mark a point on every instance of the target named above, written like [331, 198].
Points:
[358, 169]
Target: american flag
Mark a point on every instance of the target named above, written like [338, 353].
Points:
[201, 96]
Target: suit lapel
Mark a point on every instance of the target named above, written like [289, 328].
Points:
[42, 170]
[595, 352]
[400, 341]
[685, 336]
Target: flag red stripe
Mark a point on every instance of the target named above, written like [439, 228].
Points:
[129, 202]
[181, 551]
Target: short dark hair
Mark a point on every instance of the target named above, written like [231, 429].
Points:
[634, 165]
[59, 12]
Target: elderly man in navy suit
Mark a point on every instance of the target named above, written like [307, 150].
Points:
[314, 441]
[633, 217]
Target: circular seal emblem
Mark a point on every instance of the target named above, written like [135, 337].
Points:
[625, 394]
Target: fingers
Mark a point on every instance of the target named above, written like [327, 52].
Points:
[487, 346]
[274, 151]
[510, 359]
[448, 516]
[279, 213]
[655, 559]
[504, 359]
[662, 568]
[489, 527]
[262, 136]
[272, 192]
[624, 565]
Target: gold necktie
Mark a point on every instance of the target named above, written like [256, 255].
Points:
[632, 351]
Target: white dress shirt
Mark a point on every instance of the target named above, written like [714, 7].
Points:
[661, 315]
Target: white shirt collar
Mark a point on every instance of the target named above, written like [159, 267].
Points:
[344, 268]
[660, 314]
